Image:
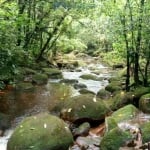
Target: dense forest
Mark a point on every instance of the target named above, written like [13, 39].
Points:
[32, 31]
[74, 74]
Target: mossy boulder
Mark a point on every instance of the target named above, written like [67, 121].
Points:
[145, 132]
[114, 139]
[83, 106]
[25, 86]
[69, 81]
[144, 103]
[116, 79]
[86, 91]
[113, 87]
[79, 86]
[41, 132]
[140, 91]
[90, 77]
[103, 94]
[125, 113]
[110, 123]
[40, 79]
[121, 99]
[53, 73]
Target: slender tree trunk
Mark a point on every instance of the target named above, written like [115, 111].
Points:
[138, 44]
[123, 22]
[21, 5]
[146, 72]
[147, 65]
[27, 28]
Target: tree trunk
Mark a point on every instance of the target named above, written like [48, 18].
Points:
[123, 22]
[21, 5]
[138, 45]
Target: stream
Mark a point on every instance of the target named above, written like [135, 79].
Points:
[19, 104]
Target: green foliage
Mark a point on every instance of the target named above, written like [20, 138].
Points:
[113, 57]
[67, 45]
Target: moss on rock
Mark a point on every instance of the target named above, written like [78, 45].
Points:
[103, 94]
[144, 103]
[53, 73]
[121, 99]
[90, 77]
[110, 123]
[69, 81]
[140, 91]
[113, 87]
[114, 139]
[84, 106]
[125, 113]
[145, 132]
[41, 132]
[86, 91]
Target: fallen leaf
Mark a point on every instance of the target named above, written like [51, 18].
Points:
[84, 106]
[45, 125]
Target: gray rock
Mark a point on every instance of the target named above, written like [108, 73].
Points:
[79, 86]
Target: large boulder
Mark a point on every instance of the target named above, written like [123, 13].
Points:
[41, 132]
[145, 132]
[69, 81]
[114, 139]
[84, 106]
[103, 94]
[91, 77]
[144, 103]
[86, 91]
[110, 123]
[113, 87]
[121, 99]
[125, 113]
[79, 86]
[138, 93]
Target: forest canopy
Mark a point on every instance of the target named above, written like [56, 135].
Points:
[30, 31]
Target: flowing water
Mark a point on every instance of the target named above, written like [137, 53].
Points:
[19, 104]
